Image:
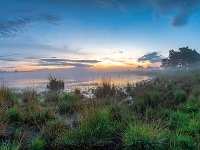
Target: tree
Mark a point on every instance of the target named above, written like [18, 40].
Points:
[184, 58]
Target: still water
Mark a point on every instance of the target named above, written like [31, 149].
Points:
[72, 78]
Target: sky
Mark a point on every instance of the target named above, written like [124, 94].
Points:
[94, 34]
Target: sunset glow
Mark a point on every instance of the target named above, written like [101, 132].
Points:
[93, 34]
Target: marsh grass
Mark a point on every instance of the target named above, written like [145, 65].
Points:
[144, 137]
[29, 94]
[52, 130]
[36, 144]
[160, 113]
[10, 146]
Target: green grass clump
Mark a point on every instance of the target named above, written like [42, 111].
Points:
[7, 97]
[180, 96]
[9, 146]
[144, 137]
[115, 114]
[177, 120]
[52, 96]
[180, 141]
[192, 127]
[36, 144]
[13, 114]
[52, 130]
[94, 131]
[29, 94]
[68, 97]
[106, 90]
[65, 107]
[67, 104]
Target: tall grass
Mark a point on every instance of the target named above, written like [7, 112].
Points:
[161, 113]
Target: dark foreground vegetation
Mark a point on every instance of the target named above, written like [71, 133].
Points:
[162, 113]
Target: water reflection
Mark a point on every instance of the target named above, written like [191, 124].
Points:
[84, 81]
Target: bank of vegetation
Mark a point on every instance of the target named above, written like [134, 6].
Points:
[161, 113]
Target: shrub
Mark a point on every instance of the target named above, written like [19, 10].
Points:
[55, 84]
[143, 137]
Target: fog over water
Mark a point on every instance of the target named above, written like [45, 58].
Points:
[80, 78]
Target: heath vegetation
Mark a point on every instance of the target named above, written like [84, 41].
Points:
[160, 113]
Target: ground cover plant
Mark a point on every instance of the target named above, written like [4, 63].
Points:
[161, 113]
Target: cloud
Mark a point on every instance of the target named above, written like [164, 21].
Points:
[70, 60]
[8, 58]
[65, 62]
[10, 27]
[151, 57]
[112, 5]
[179, 10]
[183, 8]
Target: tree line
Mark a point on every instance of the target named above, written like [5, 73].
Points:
[183, 58]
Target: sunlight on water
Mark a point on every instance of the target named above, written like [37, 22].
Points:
[84, 81]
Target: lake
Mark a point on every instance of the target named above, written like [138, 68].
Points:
[73, 78]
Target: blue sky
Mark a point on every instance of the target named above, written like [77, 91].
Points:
[38, 34]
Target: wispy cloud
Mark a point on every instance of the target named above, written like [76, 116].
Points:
[151, 57]
[10, 27]
[70, 60]
[112, 4]
[65, 62]
[9, 58]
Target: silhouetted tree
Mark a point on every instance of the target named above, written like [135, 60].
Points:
[184, 58]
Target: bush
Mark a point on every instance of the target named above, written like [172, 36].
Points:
[55, 84]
